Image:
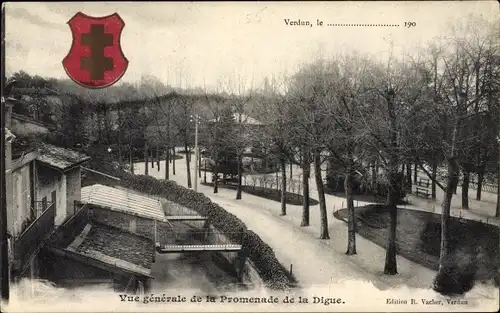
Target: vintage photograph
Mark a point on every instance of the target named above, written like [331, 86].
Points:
[308, 156]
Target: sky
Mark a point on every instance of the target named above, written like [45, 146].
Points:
[213, 44]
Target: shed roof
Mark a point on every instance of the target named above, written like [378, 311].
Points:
[123, 201]
[109, 246]
[122, 249]
[60, 158]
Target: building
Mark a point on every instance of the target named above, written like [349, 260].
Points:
[110, 239]
[86, 250]
[42, 183]
[52, 234]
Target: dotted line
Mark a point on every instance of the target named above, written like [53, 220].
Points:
[363, 25]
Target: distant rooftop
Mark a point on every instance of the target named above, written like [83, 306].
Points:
[60, 158]
[245, 119]
[33, 92]
[122, 201]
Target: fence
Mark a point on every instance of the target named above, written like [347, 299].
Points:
[272, 182]
[485, 187]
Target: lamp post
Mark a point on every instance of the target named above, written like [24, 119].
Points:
[195, 119]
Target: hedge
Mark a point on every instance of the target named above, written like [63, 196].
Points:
[274, 275]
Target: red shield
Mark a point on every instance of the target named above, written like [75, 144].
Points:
[95, 59]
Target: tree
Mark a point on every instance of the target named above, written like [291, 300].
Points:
[240, 96]
[220, 130]
[391, 94]
[344, 99]
[273, 111]
[458, 105]
[308, 89]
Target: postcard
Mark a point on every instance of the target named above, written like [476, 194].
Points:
[316, 156]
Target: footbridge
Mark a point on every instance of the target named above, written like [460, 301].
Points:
[184, 239]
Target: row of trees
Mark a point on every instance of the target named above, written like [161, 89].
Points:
[438, 107]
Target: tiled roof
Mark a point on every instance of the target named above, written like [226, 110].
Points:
[123, 201]
[60, 158]
[117, 247]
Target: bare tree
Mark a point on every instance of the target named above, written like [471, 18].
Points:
[240, 95]
[273, 111]
[308, 89]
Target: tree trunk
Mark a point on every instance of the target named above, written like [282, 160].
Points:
[374, 176]
[291, 172]
[497, 213]
[152, 157]
[408, 176]
[480, 180]
[306, 170]
[216, 178]
[277, 182]
[321, 196]
[146, 159]
[391, 267]
[446, 279]
[173, 161]
[393, 194]
[444, 276]
[120, 153]
[131, 159]
[351, 218]
[465, 189]
[167, 160]
[188, 167]
[415, 174]
[283, 186]
[158, 157]
[238, 190]
[433, 179]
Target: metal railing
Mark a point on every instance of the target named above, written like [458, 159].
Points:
[35, 234]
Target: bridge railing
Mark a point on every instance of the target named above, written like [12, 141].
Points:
[190, 237]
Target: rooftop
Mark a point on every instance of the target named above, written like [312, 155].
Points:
[245, 119]
[60, 158]
[123, 201]
[115, 247]
[16, 91]
[96, 243]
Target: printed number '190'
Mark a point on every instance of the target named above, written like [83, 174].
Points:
[410, 24]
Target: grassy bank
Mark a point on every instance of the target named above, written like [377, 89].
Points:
[474, 245]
